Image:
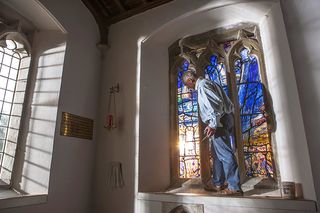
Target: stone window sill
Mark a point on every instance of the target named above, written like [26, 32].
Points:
[11, 199]
[238, 202]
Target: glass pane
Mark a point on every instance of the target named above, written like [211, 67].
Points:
[11, 148]
[187, 103]
[4, 71]
[1, 144]
[9, 96]
[190, 166]
[15, 63]
[259, 164]
[254, 125]
[3, 132]
[7, 60]
[4, 120]
[250, 67]
[6, 108]
[1, 95]
[13, 74]
[250, 97]
[216, 71]
[11, 85]
[3, 82]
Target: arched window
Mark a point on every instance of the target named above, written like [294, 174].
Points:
[254, 110]
[235, 63]
[12, 90]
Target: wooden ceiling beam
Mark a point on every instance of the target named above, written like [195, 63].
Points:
[136, 11]
[119, 4]
[104, 18]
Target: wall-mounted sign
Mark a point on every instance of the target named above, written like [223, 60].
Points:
[76, 126]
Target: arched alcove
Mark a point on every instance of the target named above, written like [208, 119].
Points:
[28, 151]
[155, 142]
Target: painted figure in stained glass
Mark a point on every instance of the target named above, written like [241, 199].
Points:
[256, 117]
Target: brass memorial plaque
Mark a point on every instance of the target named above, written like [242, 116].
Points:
[76, 126]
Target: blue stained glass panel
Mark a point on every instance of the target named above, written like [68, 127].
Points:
[250, 97]
[254, 126]
[217, 72]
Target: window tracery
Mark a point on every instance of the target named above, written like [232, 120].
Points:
[237, 65]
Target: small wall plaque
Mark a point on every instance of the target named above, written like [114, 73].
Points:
[76, 126]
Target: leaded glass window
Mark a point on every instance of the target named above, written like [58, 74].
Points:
[254, 126]
[12, 90]
[188, 125]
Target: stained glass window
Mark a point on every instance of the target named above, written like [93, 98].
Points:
[254, 126]
[226, 46]
[217, 72]
[254, 118]
[189, 156]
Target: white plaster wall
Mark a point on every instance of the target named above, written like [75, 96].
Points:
[73, 159]
[149, 206]
[120, 65]
[291, 141]
[302, 20]
[33, 161]
[160, 27]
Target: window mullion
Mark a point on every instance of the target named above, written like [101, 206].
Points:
[237, 119]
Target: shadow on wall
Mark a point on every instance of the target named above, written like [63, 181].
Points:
[303, 26]
[34, 169]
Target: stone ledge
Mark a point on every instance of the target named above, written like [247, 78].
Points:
[11, 199]
[240, 202]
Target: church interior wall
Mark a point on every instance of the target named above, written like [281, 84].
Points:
[147, 62]
[72, 164]
[137, 59]
[303, 29]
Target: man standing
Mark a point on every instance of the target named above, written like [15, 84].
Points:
[216, 110]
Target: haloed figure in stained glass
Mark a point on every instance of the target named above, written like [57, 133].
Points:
[216, 110]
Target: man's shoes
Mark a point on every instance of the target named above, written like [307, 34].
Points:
[230, 192]
[212, 188]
